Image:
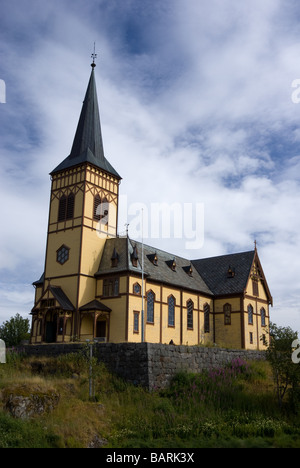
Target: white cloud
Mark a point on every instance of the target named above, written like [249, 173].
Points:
[195, 103]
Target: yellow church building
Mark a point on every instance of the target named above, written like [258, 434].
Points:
[98, 285]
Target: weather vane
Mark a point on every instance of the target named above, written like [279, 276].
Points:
[94, 56]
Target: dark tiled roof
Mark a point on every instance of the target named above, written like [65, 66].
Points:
[61, 298]
[162, 272]
[209, 275]
[214, 272]
[39, 282]
[95, 305]
[124, 249]
[87, 145]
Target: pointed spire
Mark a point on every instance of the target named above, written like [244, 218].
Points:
[88, 135]
[87, 145]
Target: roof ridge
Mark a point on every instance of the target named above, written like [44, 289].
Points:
[224, 255]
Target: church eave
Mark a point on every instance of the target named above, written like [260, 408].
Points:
[86, 158]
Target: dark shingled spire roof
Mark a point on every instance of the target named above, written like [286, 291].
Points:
[87, 145]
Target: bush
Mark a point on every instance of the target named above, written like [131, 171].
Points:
[16, 433]
[220, 388]
[15, 330]
[286, 373]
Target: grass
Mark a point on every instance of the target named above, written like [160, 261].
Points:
[234, 406]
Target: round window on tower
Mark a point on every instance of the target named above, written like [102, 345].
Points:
[62, 254]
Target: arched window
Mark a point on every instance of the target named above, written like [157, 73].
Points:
[206, 318]
[190, 310]
[250, 314]
[137, 289]
[263, 317]
[150, 307]
[136, 318]
[66, 207]
[227, 314]
[70, 206]
[171, 311]
[62, 208]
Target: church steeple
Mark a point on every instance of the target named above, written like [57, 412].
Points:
[88, 135]
[88, 145]
[83, 214]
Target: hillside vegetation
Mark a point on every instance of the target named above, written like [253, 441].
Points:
[234, 406]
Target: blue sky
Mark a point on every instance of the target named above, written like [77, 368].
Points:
[196, 107]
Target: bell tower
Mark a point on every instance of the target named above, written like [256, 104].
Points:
[83, 213]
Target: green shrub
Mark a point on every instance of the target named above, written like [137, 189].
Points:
[16, 433]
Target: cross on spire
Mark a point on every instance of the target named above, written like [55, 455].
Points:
[93, 56]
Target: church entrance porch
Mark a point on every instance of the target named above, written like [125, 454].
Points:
[94, 321]
[52, 317]
[57, 327]
[94, 326]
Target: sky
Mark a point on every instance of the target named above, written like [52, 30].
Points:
[200, 113]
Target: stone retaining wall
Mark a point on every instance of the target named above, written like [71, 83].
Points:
[147, 364]
[165, 361]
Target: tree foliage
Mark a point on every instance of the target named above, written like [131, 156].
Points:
[14, 330]
[286, 373]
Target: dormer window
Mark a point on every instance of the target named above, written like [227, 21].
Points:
[230, 272]
[188, 270]
[171, 264]
[134, 257]
[114, 259]
[153, 258]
